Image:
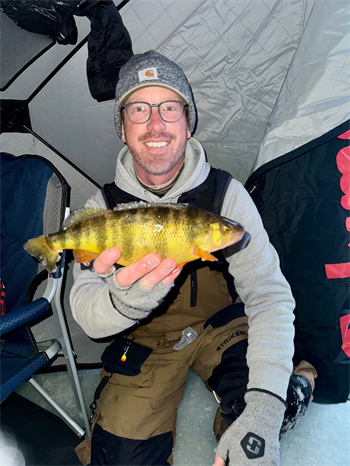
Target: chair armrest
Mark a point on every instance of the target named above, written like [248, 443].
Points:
[23, 315]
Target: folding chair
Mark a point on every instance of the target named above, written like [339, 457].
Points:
[34, 201]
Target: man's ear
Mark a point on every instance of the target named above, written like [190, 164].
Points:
[123, 138]
[188, 133]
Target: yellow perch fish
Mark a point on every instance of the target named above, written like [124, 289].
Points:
[179, 231]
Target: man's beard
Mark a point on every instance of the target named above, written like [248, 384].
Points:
[151, 168]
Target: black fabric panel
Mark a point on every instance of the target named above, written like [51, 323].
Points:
[300, 204]
[229, 380]
[107, 449]
[226, 315]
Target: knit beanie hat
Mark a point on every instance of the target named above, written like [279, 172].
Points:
[147, 69]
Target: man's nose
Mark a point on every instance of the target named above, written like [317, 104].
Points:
[155, 122]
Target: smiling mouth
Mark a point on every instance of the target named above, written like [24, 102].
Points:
[157, 144]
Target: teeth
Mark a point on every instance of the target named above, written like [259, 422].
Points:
[156, 144]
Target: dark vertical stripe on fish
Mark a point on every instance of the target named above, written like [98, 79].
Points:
[90, 228]
[51, 238]
[164, 219]
[76, 233]
[188, 219]
[174, 227]
[127, 234]
[101, 232]
[115, 229]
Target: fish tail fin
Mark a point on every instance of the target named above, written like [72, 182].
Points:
[41, 250]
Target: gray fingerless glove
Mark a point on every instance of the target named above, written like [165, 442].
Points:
[134, 302]
[253, 438]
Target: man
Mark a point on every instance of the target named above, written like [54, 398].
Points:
[163, 322]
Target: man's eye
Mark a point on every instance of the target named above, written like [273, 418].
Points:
[169, 108]
[138, 109]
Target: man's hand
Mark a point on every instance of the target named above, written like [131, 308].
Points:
[137, 289]
[218, 461]
[253, 438]
[150, 270]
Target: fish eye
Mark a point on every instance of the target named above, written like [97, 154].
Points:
[226, 228]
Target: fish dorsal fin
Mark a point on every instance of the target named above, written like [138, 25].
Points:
[144, 204]
[133, 205]
[82, 214]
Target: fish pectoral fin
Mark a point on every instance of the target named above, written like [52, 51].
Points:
[177, 268]
[81, 256]
[204, 255]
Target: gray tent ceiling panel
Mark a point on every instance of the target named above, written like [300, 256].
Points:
[315, 96]
[66, 116]
[236, 56]
[150, 23]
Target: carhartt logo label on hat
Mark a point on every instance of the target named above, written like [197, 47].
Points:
[148, 73]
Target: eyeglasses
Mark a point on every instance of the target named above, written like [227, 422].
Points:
[169, 111]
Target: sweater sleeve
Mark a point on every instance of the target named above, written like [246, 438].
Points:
[267, 297]
[92, 307]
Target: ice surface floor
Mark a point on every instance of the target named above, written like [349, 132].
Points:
[321, 438]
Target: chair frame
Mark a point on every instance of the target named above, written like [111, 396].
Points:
[53, 294]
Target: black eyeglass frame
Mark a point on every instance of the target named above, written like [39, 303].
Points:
[126, 108]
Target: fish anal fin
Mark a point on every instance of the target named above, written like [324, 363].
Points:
[204, 255]
[81, 256]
